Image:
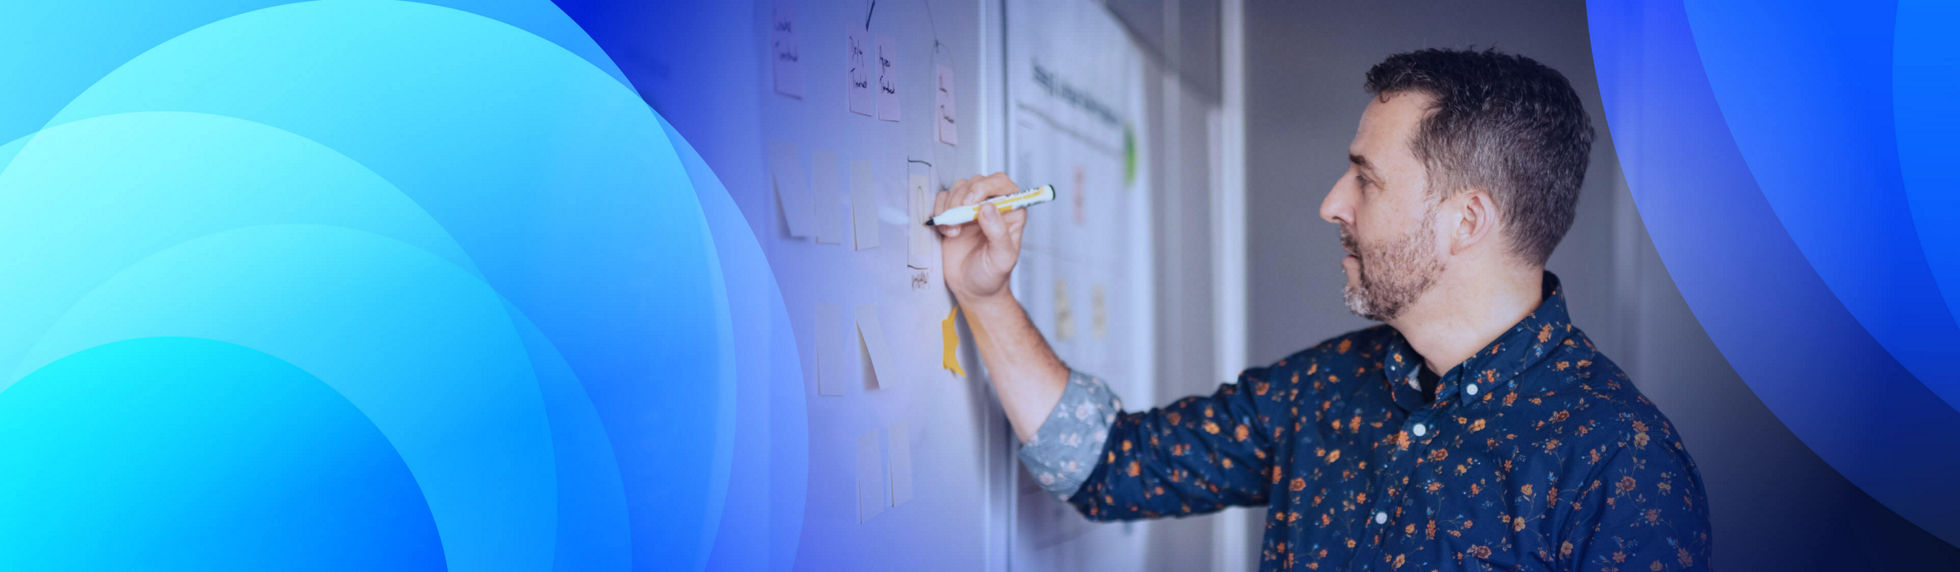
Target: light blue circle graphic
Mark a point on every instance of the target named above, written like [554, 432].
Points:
[431, 263]
[187, 453]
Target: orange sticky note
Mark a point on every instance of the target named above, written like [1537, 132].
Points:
[950, 340]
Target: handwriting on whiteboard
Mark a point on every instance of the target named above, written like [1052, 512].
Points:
[946, 108]
[786, 58]
[887, 79]
[858, 73]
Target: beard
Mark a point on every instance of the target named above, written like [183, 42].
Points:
[1393, 275]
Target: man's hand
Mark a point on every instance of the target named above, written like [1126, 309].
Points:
[1026, 376]
[977, 261]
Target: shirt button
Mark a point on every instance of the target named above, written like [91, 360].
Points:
[1381, 517]
[1419, 429]
[1470, 390]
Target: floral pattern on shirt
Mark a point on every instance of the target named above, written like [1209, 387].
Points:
[1064, 449]
[1537, 453]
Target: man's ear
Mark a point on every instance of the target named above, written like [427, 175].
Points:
[1478, 220]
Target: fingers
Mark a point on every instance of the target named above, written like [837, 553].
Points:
[973, 190]
[992, 226]
[948, 199]
[953, 197]
[939, 200]
[1002, 247]
[1016, 221]
[995, 185]
[995, 230]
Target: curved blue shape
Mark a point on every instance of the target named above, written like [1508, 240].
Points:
[1807, 95]
[772, 436]
[67, 46]
[594, 530]
[1769, 294]
[117, 200]
[424, 350]
[554, 178]
[80, 201]
[1925, 83]
[93, 37]
[173, 453]
[465, 221]
[458, 215]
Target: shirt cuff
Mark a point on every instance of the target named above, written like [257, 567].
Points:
[1065, 450]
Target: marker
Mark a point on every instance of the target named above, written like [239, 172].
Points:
[964, 214]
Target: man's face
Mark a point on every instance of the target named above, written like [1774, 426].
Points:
[1386, 217]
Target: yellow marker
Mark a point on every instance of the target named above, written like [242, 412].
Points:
[950, 338]
[965, 214]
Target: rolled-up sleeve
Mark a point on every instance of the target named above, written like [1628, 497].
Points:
[1063, 452]
[1196, 455]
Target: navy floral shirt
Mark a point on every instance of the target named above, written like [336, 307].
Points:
[1537, 453]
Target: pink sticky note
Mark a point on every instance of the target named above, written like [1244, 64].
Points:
[946, 108]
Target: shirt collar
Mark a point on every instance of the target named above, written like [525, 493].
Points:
[1518, 349]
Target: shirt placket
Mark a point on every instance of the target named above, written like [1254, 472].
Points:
[1420, 427]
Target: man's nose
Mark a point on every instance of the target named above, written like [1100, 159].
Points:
[1333, 208]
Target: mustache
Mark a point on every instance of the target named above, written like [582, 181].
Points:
[1348, 243]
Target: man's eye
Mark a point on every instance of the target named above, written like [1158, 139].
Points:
[1360, 180]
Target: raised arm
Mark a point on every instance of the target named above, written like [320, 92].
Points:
[978, 257]
[1197, 455]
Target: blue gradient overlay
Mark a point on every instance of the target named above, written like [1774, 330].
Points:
[1794, 167]
[370, 284]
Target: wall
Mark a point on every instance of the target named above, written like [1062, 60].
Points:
[1775, 505]
[703, 66]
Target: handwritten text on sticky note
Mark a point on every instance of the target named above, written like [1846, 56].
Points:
[786, 58]
[887, 79]
[857, 72]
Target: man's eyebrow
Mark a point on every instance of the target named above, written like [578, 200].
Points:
[1360, 161]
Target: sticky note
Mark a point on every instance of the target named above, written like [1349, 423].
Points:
[1080, 198]
[858, 70]
[786, 58]
[864, 206]
[792, 189]
[869, 329]
[1064, 315]
[946, 108]
[887, 79]
[901, 448]
[949, 339]
[830, 351]
[870, 477]
[1098, 312]
[829, 202]
[919, 238]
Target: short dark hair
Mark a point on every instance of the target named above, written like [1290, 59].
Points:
[1503, 123]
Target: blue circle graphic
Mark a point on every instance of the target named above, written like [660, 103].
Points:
[430, 264]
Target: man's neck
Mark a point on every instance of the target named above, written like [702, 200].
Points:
[1451, 322]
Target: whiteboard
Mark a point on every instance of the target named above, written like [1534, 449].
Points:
[903, 403]
[968, 506]
[1075, 92]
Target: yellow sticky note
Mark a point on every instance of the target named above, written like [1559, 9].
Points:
[1064, 316]
[950, 340]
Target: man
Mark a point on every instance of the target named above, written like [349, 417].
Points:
[1477, 428]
